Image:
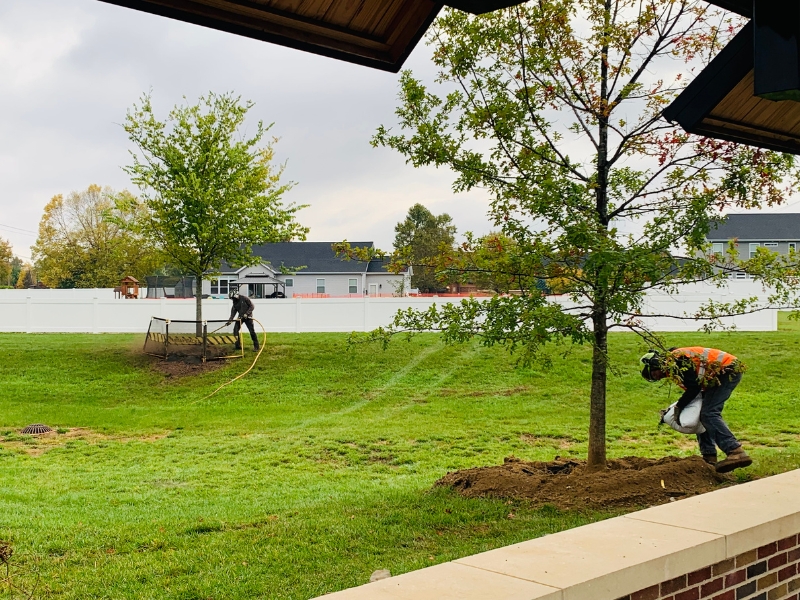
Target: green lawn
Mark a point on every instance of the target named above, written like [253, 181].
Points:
[315, 469]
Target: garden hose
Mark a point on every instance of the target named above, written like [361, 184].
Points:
[260, 350]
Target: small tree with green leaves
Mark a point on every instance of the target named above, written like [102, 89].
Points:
[209, 193]
[554, 108]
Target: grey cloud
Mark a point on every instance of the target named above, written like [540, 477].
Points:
[60, 125]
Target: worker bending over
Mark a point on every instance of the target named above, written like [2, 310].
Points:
[244, 306]
[715, 374]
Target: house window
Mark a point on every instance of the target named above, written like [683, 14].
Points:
[792, 246]
[320, 286]
[289, 282]
[220, 287]
[352, 287]
[741, 275]
[771, 246]
[753, 249]
[718, 249]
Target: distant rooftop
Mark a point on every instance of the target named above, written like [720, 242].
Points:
[314, 257]
[758, 227]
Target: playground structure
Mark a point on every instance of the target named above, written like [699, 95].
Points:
[206, 340]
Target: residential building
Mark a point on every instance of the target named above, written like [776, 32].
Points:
[289, 269]
[778, 232]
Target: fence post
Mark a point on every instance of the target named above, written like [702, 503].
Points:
[28, 328]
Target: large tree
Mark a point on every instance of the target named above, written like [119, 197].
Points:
[421, 237]
[209, 193]
[84, 242]
[554, 108]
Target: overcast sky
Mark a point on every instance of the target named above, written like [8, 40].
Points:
[69, 70]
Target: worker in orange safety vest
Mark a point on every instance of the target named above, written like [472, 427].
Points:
[714, 374]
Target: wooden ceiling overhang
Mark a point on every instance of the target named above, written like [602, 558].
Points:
[749, 92]
[375, 33]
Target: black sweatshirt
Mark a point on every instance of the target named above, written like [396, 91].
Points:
[244, 306]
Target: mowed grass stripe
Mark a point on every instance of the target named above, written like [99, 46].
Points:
[316, 468]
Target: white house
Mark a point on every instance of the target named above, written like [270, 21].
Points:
[309, 268]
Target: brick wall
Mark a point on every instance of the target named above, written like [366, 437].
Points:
[771, 572]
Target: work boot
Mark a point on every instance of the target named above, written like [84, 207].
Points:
[738, 459]
[711, 459]
[256, 347]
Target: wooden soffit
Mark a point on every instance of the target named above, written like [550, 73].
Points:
[720, 103]
[375, 33]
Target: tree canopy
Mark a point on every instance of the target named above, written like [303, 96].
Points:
[419, 239]
[6, 258]
[84, 242]
[208, 193]
[554, 108]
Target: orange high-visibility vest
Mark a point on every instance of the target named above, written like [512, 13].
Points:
[703, 357]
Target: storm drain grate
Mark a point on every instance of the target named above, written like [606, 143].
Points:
[37, 428]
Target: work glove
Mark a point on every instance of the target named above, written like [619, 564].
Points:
[228, 323]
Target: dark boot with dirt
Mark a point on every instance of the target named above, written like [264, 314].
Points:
[738, 459]
[710, 459]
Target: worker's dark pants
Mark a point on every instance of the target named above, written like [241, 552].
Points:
[250, 328]
[717, 432]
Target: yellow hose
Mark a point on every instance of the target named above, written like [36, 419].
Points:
[260, 350]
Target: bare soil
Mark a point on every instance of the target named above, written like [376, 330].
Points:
[185, 366]
[569, 484]
[36, 445]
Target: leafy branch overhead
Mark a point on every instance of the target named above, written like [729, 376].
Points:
[553, 107]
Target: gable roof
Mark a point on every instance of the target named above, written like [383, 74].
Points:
[762, 227]
[316, 257]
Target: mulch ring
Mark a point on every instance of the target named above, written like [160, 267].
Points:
[185, 366]
[568, 484]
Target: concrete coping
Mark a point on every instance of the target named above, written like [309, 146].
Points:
[612, 558]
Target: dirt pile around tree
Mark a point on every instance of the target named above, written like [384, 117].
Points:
[185, 366]
[568, 484]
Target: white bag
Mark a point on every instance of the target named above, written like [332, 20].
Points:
[690, 417]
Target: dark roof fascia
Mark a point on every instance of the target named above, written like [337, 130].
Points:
[390, 64]
[713, 83]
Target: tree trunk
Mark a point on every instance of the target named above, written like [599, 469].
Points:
[597, 410]
[198, 304]
[597, 399]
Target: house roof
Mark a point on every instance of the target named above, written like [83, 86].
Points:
[375, 33]
[722, 103]
[316, 257]
[763, 227]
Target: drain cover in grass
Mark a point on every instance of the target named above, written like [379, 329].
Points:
[37, 428]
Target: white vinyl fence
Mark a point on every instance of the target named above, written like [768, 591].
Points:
[97, 311]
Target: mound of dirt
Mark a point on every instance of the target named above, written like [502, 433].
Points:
[568, 484]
